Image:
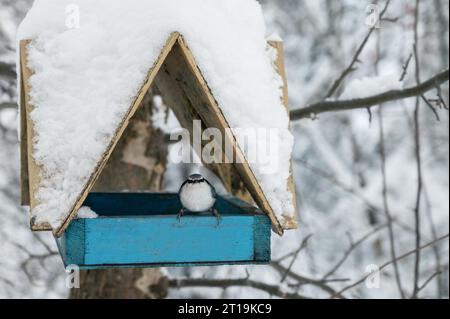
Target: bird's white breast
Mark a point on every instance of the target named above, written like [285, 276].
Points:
[197, 197]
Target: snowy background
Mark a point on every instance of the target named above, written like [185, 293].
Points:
[338, 162]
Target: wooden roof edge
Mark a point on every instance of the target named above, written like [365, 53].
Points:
[290, 222]
[24, 177]
[30, 171]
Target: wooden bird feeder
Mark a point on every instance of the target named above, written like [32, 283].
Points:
[141, 229]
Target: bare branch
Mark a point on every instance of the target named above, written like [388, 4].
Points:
[302, 280]
[355, 193]
[406, 255]
[292, 253]
[429, 280]
[313, 110]
[441, 100]
[227, 283]
[386, 206]
[417, 219]
[303, 245]
[352, 247]
[390, 19]
[6, 281]
[405, 67]
[432, 108]
[434, 233]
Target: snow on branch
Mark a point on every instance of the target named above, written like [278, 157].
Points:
[363, 103]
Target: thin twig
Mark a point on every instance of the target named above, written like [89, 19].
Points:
[432, 108]
[387, 210]
[425, 284]
[441, 98]
[303, 245]
[302, 280]
[384, 178]
[417, 220]
[434, 234]
[390, 19]
[351, 67]
[352, 191]
[352, 247]
[274, 290]
[406, 255]
[405, 67]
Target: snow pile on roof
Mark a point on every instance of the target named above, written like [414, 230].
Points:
[85, 79]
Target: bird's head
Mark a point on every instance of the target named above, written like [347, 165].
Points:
[196, 178]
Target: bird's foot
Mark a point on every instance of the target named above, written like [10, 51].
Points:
[216, 213]
[181, 214]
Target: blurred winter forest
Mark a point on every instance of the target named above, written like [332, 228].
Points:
[372, 182]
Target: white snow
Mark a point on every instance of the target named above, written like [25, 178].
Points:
[86, 78]
[369, 86]
[8, 118]
[86, 213]
[275, 37]
[163, 118]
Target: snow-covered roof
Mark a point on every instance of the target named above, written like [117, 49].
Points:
[85, 80]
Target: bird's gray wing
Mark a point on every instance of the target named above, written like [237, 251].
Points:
[213, 190]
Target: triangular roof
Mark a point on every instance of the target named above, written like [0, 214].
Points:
[179, 61]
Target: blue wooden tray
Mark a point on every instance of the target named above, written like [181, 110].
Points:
[142, 230]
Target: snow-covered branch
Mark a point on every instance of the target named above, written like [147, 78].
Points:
[394, 95]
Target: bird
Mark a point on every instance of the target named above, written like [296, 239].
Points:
[197, 195]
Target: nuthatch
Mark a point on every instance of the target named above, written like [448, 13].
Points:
[197, 195]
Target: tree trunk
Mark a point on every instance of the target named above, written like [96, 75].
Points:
[137, 164]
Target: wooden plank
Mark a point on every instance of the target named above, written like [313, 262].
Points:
[142, 204]
[290, 222]
[261, 248]
[149, 266]
[34, 171]
[24, 177]
[281, 70]
[137, 102]
[72, 247]
[196, 89]
[158, 238]
[164, 239]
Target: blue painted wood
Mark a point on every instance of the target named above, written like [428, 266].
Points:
[142, 230]
[138, 204]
